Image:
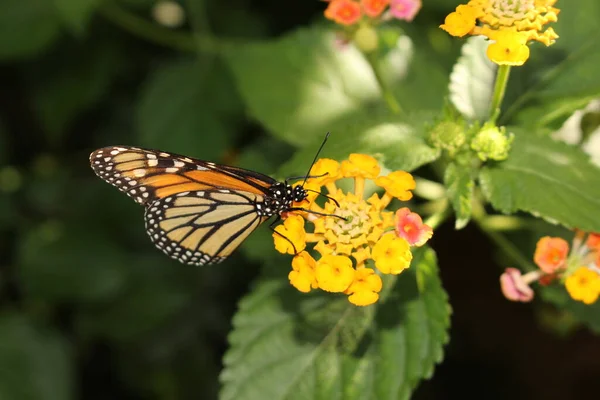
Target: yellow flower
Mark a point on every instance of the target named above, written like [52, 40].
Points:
[510, 24]
[365, 288]
[584, 285]
[398, 184]
[302, 276]
[352, 234]
[360, 165]
[324, 171]
[290, 238]
[460, 22]
[510, 48]
[334, 273]
[392, 254]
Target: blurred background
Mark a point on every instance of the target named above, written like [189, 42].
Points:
[91, 310]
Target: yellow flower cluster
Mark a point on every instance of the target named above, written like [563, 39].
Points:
[511, 24]
[348, 231]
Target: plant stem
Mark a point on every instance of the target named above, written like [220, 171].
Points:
[499, 91]
[481, 219]
[158, 34]
[389, 97]
[435, 220]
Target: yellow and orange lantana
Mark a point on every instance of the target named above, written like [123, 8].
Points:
[510, 24]
[356, 238]
[577, 266]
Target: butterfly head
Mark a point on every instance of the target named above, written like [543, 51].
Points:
[281, 196]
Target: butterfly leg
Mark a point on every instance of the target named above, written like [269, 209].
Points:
[272, 227]
[316, 212]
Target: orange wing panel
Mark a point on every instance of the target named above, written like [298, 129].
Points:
[220, 179]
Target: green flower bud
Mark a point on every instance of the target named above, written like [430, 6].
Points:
[366, 39]
[449, 136]
[492, 142]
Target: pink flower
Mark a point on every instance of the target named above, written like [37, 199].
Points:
[410, 227]
[516, 287]
[405, 9]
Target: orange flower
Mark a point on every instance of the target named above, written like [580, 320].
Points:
[344, 12]
[551, 253]
[410, 226]
[593, 241]
[373, 8]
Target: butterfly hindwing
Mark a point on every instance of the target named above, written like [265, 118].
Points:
[202, 227]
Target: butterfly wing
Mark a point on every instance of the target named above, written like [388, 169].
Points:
[147, 175]
[197, 212]
[202, 227]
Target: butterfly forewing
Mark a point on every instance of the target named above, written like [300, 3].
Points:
[147, 175]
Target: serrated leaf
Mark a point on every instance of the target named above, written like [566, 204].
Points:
[459, 188]
[560, 79]
[288, 345]
[184, 107]
[396, 142]
[472, 80]
[27, 27]
[35, 363]
[76, 13]
[548, 179]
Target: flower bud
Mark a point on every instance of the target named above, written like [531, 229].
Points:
[366, 39]
[448, 135]
[492, 142]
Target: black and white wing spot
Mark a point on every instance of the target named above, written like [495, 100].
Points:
[202, 227]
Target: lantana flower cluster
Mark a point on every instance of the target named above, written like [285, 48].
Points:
[359, 18]
[349, 12]
[576, 266]
[356, 238]
[510, 24]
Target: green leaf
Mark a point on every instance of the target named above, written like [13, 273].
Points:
[472, 80]
[76, 13]
[184, 107]
[560, 79]
[459, 188]
[35, 363]
[397, 142]
[288, 345]
[548, 179]
[27, 27]
[69, 263]
[299, 84]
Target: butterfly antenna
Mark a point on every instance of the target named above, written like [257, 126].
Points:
[324, 195]
[315, 159]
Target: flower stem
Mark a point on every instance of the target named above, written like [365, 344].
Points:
[435, 220]
[481, 219]
[158, 34]
[389, 97]
[499, 91]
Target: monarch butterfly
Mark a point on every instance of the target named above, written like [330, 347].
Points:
[197, 212]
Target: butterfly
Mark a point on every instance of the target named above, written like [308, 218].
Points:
[197, 212]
